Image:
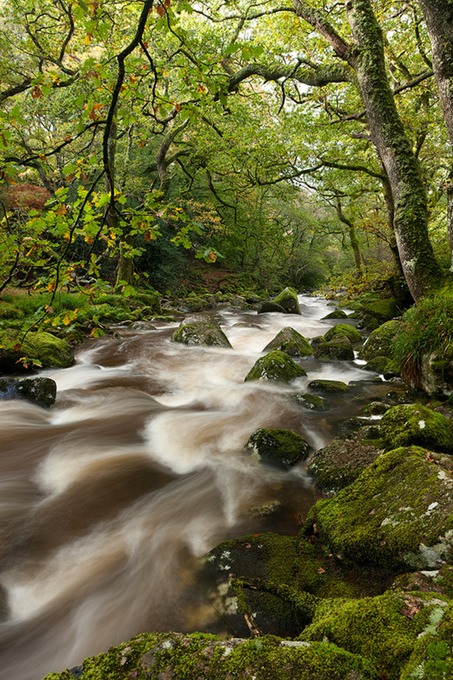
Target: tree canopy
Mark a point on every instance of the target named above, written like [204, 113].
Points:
[286, 140]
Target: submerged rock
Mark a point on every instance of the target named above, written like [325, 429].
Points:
[332, 386]
[36, 348]
[313, 402]
[276, 365]
[278, 447]
[290, 341]
[41, 391]
[416, 424]
[201, 332]
[398, 513]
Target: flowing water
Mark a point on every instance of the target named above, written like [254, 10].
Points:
[109, 499]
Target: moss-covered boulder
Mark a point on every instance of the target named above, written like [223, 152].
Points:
[398, 512]
[436, 372]
[37, 348]
[268, 307]
[383, 629]
[340, 347]
[313, 402]
[384, 309]
[432, 654]
[290, 341]
[329, 386]
[416, 424]
[41, 391]
[379, 342]
[349, 331]
[174, 656]
[283, 448]
[341, 462]
[205, 332]
[276, 365]
[336, 314]
[288, 300]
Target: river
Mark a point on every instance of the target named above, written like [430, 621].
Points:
[109, 499]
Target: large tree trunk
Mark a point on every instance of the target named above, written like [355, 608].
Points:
[366, 56]
[421, 270]
[439, 22]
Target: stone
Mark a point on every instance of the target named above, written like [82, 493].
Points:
[269, 307]
[276, 365]
[340, 463]
[351, 332]
[313, 402]
[41, 391]
[288, 300]
[196, 331]
[336, 314]
[330, 386]
[339, 348]
[290, 341]
[407, 424]
[379, 342]
[36, 348]
[283, 448]
[397, 514]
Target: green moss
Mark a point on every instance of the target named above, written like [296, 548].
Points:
[340, 463]
[343, 329]
[49, 350]
[204, 332]
[276, 365]
[339, 347]
[290, 341]
[278, 447]
[193, 657]
[384, 309]
[432, 656]
[398, 513]
[288, 300]
[331, 386]
[416, 424]
[313, 402]
[382, 629]
[380, 341]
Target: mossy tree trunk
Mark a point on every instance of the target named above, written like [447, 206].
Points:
[439, 22]
[421, 270]
[366, 57]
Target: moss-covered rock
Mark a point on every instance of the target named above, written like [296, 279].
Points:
[340, 347]
[432, 654]
[313, 402]
[40, 348]
[436, 372]
[341, 462]
[336, 314]
[349, 331]
[201, 332]
[384, 629]
[288, 300]
[330, 386]
[378, 364]
[174, 656]
[398, 512]
[41, 391]
[416, 424]
[276, 365]
[379, 342]
[290, 341]
[384, 309]
[278, 447]
[268, 307]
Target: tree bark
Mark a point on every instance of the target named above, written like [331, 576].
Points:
[366, 56]
[438, 16]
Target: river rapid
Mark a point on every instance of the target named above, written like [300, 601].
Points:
[109, 499]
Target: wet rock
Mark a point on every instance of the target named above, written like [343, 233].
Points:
[290, 341]
[350, 332]
[200, 332]
[278, 447]
[276, 365]
[416, 424]
[336, 314]
[288, 300]
[173, 656]
[436, 373]
[340, 347]
[41, 391]
[379, 342]
[313, 402]
[378, 364]
[384, 629]
[269, 307]
[330, 386]
[398, 513]
[341, 462]
[37, 348]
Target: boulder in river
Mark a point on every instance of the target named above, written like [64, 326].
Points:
[379, 342]
[416, 424]
[39, 348]
[201, 331]
[276, 365]
[278, 447]
[349, 331]
[286, 302]
[290, 341]
[313, 402]
[340, 347]
[397, 514]
[341, 462]
[330, 386]
[41, 391]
